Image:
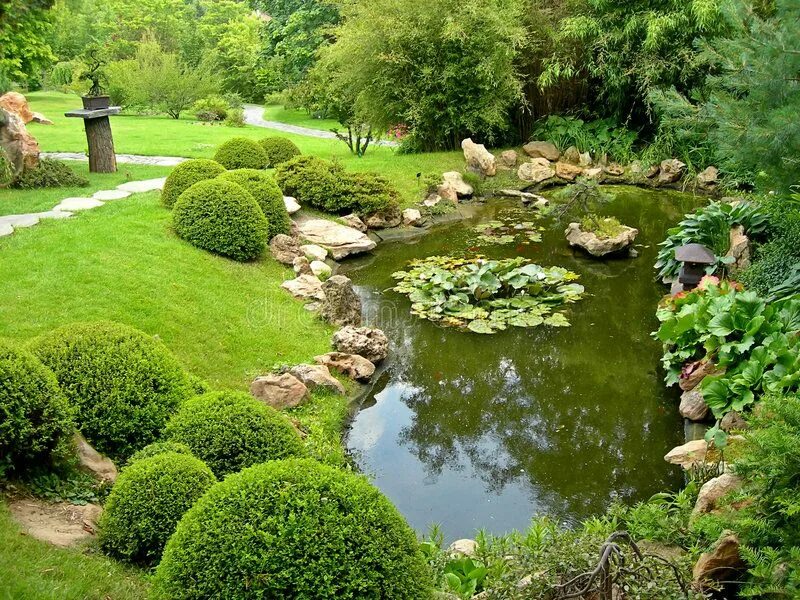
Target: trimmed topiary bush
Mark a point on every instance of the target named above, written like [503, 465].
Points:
[221, 217]
[293, 529]
[185, 175]
[157, 448]
[279, 149]
[148, 499]
[124, 383]
[35, 418]
[268, 195]
[242, 153]
[232, 430]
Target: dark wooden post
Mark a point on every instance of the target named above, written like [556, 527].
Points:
[102, 158]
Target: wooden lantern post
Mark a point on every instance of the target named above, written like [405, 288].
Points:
[102, 158]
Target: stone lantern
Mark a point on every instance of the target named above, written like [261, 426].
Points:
[695, 259]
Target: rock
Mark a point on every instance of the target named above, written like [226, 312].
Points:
[671, 171]
[541, 150]
[92, 462]
[314, 252]
[432, 200]
[614, 170]
[568, 171]
[652, 171]
[370, 343]
[447, 193]
[508, 158]
[384, 219]
[17, 104]
[20, 146]
[341, 306]
[41, 119]
[305, 287]
[354, 221]
[722, 563]
[20, 221]
[106, 195]
[479, 159]
[284, 249]
[536, 171]
[571, 155]
[75, 204]
[464, 547]
[693, 373]
[353, 366]
[320, 269]
[596, 174]
[54, 214]
[314, 376]
[526, 197]
[144, 186]
[688, 454]
[411, 216]
[713, 490]
[733, 421]
[739, 250]
[597, 246]
[708, 178]
[301, 266]
[339, 240]
[585, 159]
[292, 205]
[693, 406]
[279, 391]
[455, 180]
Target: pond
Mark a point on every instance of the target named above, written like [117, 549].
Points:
[476, 431]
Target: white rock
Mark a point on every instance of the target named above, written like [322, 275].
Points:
[465, 547]
[411, 216]
[140, 187]
[314, 252]
[18, 221]
[292, 205]
[73, 204]
[320, 269]
[455, 180]
[106, 195]
[305, 287]
[479, 159]
[340, 240]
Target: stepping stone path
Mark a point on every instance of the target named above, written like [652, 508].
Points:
[65, 208]
[130, 159]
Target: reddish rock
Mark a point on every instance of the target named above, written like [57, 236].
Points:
[16, 103]
[20, 146]
[279, 391]
[722, 563]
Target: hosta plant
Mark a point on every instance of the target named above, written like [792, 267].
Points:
[486, 296]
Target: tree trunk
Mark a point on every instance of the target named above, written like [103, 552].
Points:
[102, 158]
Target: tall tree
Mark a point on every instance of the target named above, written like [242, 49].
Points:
[24, 49]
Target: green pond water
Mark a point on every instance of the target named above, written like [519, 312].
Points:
[485, 431]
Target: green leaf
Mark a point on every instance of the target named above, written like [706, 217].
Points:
[480, 326]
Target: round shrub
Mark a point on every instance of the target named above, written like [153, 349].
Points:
[124, 383]
[293, 529]
[35, 417]
[232, 430]
[157, 448]
[185, 175]
[241, 153]
[266, 192]
[146, 503]
[221, 217]
[279, 149]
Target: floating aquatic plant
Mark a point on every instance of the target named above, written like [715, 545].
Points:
[507, 229]
[486, 296]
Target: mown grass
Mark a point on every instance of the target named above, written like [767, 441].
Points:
[36, 570]
[294, 116]
[163, 136]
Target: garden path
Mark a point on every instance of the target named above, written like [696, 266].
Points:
[131, 159]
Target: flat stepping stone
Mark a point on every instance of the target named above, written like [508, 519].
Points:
[54, 214]
[73, 204]
[6, 229]
[106, 195]
[140, 187]
[17, 221]
[339, 240]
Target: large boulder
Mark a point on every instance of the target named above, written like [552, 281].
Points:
[479, 159]
[536, 170]
[568, 171]
[279, 391]
[368, 342]
[723, 563]
[339, 240]
[385, 219]
[541, 150]
[353, 366]
[713, 490]
[314, 376]
[92, 462]
[305, 287]
[284, 249]
[16, 103]
[453, 180]
[600, 246]
[412, 217]
[693, 406]
[688, 455]
[671, 171]
[341, 305]
[20, 146]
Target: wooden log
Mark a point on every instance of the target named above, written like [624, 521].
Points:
[102, 158]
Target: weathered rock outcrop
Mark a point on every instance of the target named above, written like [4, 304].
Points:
[20, 146]
[353, 366]
[739, 250]
[384, 219]
[92, 462]
[284, 249]
[508, 158]
[541, 150]
[600, 246]
[453, 182]
[305, 287]
[733, 421]
[339, 240]
[314, 376]
[568, 171]
[713, 490]
[708, 179]
[354, 221]
[536, 170]
[671, 171]
[279, 391]
[693, 406]
[368, 342]
[688, 454]
[412, 217]
[722, 563]
[291, 204]
[320, 270]
[341, 305]
[479, 159]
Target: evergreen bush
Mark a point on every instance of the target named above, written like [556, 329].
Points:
[157, 448]
[185, 175]
[49, 174]
[268, 195]
[242, 153]
[279, 149]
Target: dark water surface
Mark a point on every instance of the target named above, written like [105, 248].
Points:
[485, 431]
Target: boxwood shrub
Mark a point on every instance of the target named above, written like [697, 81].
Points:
[148, 499]
[325, 185]
[221, 217]
[124, 383]
[35, 417]
[242, 153]
[157, 448]
[279, 149]
[185, 175]
[266, 192]
[49, 173]
[232, 430]
[293, 529]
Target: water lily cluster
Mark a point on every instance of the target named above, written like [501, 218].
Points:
[486, 296]
[508, 229]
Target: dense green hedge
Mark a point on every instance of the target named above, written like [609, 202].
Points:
[148, 499]
[157, 448]
[232, 430]
[279, 149]
[124, 383]
[221, 217]
[293, 529]
[326, 185]
[268, 195]
[35, 417]
[185, 175]
[242, 153]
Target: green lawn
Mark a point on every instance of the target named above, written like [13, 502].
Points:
[293, 116]
[36, 570]
[162, 136]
